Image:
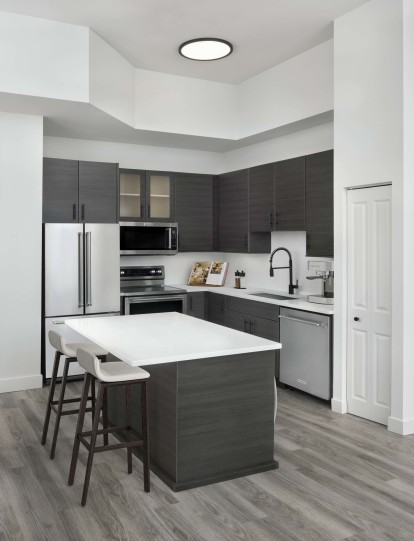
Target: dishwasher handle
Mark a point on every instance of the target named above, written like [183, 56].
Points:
[302, 321]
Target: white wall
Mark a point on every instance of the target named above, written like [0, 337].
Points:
[21, 153]
[368, 149]
[299, 143]
[43, 58]
[134, 156]
[402, 407]
[111, 80]
[298, 88]
[256, 266]
[177, 104]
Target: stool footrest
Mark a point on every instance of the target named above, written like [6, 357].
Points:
[69, 400]
[70, 412]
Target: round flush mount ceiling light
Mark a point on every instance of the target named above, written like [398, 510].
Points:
[205, 49]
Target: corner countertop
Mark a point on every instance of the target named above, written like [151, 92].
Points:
[148, 339]
[296, 301]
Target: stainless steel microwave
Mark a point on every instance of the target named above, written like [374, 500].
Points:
[148, 238]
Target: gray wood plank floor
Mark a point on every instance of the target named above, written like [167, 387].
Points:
[340, 478]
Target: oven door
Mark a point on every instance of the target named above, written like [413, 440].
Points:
[155, 304]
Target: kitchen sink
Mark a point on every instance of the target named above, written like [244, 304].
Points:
[272, 296]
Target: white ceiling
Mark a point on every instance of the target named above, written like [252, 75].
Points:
[148, 32]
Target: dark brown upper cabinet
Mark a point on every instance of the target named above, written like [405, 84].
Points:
[194, 212]
[277, 196]
[98, 192]
[79, 191]
[233, 211]
[262, 198]
[146, 196]
[290, 195]
[60, 191]
[319, 204]
[233, 218]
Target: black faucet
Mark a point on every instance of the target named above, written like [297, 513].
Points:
[292, 287]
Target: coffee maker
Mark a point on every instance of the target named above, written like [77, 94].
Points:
[322, 270]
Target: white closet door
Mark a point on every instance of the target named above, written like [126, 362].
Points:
[369, 303]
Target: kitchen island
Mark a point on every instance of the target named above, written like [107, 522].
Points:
[211, 394]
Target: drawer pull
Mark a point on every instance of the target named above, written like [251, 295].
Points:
[302, 321]
[56, 322]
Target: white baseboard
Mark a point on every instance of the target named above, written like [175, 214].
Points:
[339, 406]
[399, 426]
[21, 383]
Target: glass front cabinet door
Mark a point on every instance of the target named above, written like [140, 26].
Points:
[132, 195]
[146, 196]
[160, 196]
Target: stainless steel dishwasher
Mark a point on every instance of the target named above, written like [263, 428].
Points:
[306, 354]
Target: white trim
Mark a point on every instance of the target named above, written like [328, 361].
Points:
[339, 406]
[21, 383]
[399, 426]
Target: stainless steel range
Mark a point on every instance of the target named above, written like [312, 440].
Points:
[143, 292]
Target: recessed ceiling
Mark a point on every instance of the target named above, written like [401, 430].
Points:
[148, 32]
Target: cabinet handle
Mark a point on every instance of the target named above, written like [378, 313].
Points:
[277, 218]
[83, 212]
[302, 321]
[251, 327]
[74, 211]
[246, 322]
[149, 211]
[307, 242]
[142, 210]
[245, 241]
[271, 220]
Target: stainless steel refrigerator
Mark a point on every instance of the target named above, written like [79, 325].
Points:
[81, 279]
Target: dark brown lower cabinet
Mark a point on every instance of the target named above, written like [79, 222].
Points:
[216, 308]
[196, 305]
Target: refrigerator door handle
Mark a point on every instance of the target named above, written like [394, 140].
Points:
[88, 279]
[80, 270]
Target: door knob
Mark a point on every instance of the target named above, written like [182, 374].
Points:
[356, 318]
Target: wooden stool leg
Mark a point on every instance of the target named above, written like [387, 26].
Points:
[105, 415]
[92, 443]
[60, 406]
[79, 427]
[145, 445]
[129, 424]
[51, 396]
[93, 394]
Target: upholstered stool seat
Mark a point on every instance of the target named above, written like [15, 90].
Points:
[67, 350]
[109, 375]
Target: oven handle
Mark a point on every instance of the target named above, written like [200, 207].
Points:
[149, 298]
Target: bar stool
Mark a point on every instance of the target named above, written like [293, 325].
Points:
[109, 375]
[68, 350]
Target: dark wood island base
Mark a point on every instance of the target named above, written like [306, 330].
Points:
[210, 420]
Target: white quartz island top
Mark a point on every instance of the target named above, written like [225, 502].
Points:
[146, 339]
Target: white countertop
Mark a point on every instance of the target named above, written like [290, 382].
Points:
[300, 303]
[146, 339]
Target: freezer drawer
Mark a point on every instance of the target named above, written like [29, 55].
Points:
[305, 357]
[57, 324]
